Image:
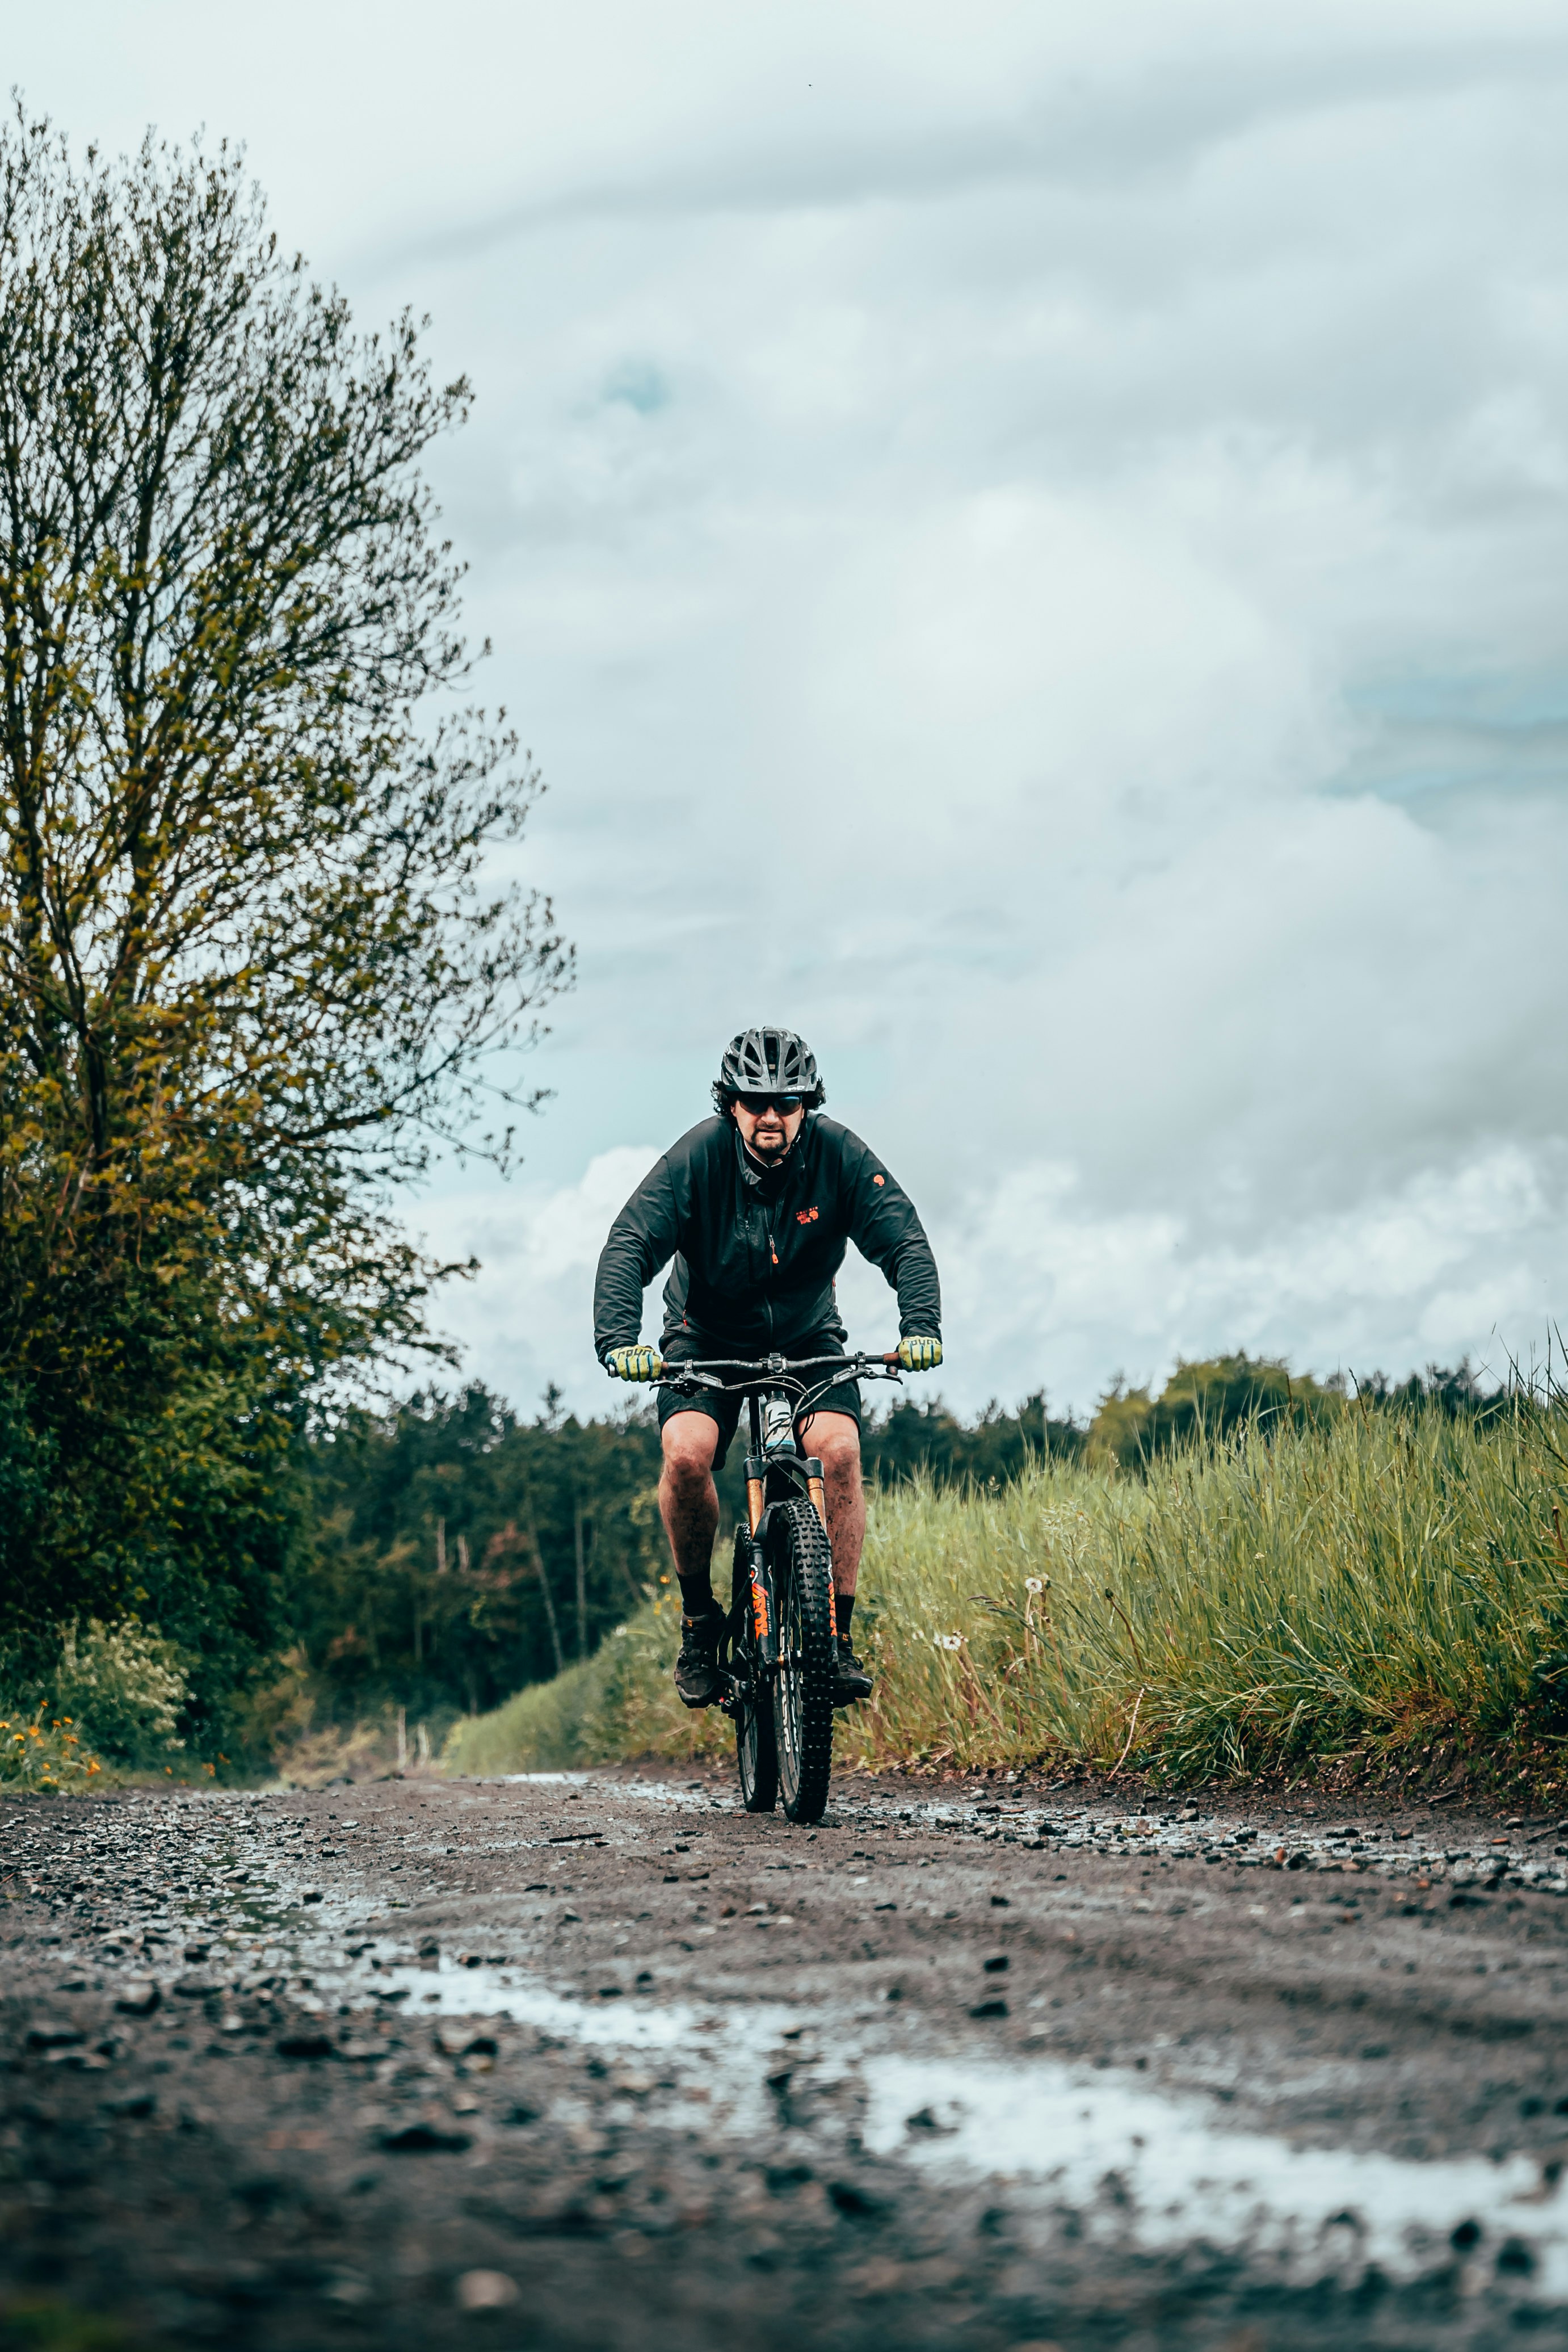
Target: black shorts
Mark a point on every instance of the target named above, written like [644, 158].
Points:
[692, 1347]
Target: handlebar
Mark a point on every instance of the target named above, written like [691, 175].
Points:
[700, 1373]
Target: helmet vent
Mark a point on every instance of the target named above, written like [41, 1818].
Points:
[769, 1060]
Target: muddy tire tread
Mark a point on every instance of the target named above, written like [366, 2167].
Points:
[810, 1562]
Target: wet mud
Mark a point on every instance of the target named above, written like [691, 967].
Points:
[604, 2062]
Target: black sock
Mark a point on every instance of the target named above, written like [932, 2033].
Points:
[843, 1609]
[696, 1595]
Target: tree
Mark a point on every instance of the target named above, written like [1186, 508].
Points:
[250, 963]
[912, 1437]
[457, 1552]
[1206, 1399]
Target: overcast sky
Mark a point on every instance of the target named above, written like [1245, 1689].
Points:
[1030, 544]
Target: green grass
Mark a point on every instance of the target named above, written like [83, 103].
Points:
[45, 2325]
[1381, 1583]
[620, 1702]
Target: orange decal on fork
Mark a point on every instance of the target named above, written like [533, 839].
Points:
[759, 1609]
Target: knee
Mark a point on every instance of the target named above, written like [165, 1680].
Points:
[839, 1452]
[688, 1454]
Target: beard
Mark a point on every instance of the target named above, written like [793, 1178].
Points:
[770, 1153]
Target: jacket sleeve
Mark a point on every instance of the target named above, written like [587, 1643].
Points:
[884, 1227]
[644, 1236]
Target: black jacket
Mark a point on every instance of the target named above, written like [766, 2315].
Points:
[756, 1249]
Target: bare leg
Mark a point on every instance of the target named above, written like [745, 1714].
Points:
[835, 1439]
[688, 1499]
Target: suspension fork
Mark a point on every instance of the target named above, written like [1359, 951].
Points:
[818, 1493]
[764, 1608]
[765, 1615]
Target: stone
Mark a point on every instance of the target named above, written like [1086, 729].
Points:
[424, 2139]
[485, 2291]
[305, 2045]
[456, 2039]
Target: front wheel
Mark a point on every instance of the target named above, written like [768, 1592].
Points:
[802, 1566]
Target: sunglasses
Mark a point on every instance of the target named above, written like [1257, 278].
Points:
[758, 1104]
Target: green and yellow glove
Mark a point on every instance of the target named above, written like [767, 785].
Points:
[634, 1364]
[918, 1355]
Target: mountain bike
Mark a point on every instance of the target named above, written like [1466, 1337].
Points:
[778, 1653]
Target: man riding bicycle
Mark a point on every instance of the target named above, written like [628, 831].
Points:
[756, 1207]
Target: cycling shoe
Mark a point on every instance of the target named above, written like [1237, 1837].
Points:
[698, 1682]
[851, 1681]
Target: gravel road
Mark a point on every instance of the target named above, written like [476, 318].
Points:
[604, 2062]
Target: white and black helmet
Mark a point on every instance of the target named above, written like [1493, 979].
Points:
[768, 1062]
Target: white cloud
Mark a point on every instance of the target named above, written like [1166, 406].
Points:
[1440, 1266]
[528, 1320]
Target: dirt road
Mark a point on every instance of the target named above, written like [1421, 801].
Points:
[609, 2063]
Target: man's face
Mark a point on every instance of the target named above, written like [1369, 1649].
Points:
[766, 1129]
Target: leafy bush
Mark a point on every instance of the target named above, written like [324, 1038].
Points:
[126, 1686]
[39, 1751]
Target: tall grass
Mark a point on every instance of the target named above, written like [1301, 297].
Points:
[620, 1702]
[1377, 1580]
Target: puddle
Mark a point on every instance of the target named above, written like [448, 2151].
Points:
[448, 1990]
[1138, 2165]
[718, 2056]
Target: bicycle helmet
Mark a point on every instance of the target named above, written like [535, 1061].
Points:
[768, 1062]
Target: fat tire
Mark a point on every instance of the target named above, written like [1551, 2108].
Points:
[802, 1565]
[756, 1751]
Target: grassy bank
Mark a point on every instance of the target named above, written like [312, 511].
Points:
[1379, 1585]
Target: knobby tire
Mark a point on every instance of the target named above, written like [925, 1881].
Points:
[802, 1566]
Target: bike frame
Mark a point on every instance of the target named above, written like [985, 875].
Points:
[777, 1400]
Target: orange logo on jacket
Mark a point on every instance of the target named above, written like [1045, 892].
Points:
[806, 1216]
[879, 1179]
